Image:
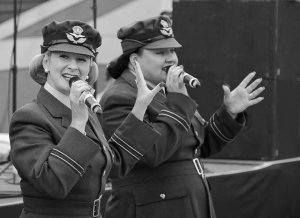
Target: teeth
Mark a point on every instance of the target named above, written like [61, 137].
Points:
[68, 76]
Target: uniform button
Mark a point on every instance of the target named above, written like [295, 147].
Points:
[162, 196]
[196, 133]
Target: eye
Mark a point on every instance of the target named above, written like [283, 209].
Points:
[63, 56]
[160, 51]
[81, 60]
[172, 50]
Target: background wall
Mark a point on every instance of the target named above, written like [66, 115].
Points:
[223, 41]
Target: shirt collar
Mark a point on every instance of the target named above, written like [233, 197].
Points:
[58, 95]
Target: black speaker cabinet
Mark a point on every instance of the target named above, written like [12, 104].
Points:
[225, 40]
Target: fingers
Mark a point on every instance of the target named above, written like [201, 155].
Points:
[79, 89]
[247, 79]
[255, 101]
[81, 86]
[255, 93]
[157, 88]
[175, 74]
[253, 85]
[138, 73]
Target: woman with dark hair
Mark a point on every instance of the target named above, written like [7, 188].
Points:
[169, 180]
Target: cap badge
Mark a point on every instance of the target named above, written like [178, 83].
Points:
[76, 36]
[166, 29]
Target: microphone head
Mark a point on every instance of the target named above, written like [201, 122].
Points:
[73, 79]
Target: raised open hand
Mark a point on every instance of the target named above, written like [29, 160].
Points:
[243, 96]
[144, 94]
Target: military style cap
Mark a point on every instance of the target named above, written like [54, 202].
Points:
[152, 33]
[71, 36]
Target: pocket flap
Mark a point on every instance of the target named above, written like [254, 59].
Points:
[145, 194]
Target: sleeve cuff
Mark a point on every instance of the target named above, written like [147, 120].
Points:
[134, 137]
[75, 150]
[224, 126]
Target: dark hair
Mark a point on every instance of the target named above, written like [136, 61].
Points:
[116, 67]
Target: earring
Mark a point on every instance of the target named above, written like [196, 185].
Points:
[86, 78]
[46, 71]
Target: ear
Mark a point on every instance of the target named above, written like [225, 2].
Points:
[133, 57]
[46, 62]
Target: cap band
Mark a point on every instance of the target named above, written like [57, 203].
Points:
[61, 41]
[132, 44]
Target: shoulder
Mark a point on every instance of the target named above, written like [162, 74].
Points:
[29, 112]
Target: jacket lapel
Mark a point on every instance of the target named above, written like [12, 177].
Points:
[54, 107]
[96, 128]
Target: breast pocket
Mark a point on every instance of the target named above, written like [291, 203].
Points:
[161, 202]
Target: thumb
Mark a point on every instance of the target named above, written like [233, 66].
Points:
[158, 87]
[226, 90]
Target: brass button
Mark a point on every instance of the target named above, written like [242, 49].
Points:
[162, 196]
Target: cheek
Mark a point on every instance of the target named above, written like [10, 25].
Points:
[84, 70]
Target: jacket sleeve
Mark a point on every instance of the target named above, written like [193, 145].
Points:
[53, 169]
[220, 130]
[172, 123]
[129, 143]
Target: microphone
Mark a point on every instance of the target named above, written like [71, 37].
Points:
[189, 79]
[89, 99]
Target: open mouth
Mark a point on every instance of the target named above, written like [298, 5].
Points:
[68, 76]
[166, 68]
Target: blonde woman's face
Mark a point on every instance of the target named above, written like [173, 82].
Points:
[154, 63]
[62, 66]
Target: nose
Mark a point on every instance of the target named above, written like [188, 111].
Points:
[172, 58]
[72, 65]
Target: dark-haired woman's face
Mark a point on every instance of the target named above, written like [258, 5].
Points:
[154, 63]
[63, 66]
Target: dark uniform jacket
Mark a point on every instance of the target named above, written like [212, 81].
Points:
[168, 181]
[63, 172]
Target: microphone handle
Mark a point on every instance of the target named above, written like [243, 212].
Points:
[92, 103]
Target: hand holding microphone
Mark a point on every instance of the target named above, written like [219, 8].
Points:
[189, 79]
[89, 99]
